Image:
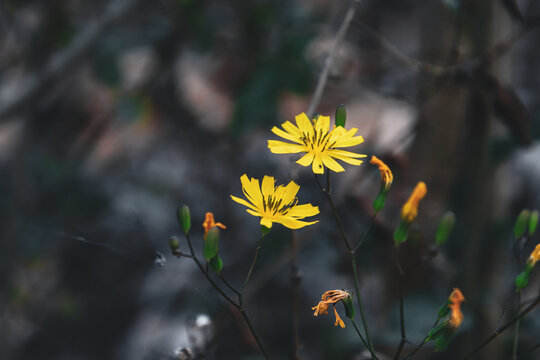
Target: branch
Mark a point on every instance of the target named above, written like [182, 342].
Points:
[59, 63]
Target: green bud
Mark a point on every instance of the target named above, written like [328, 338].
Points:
[211, 244]
[341, 115]
[216, 264]
[443, 339]
[174, 244]
[349, 307]
[522, 280]
[436, 331]
[264, 230]
[522, 222]
[401, 233]
[445, 228]
[184, 218]
[380, 200]
[443, 310]
[533, 222]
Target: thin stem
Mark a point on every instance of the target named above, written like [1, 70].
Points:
[232, 288]
[201, 268]
[248, 323]
[361, 306]
[401, 307]
[359, 333]
[366, 232]
[321, 83]
[505, 327]
[419, 346]
[295, 288]
[259, 244]
[537, 346]
[238, 305]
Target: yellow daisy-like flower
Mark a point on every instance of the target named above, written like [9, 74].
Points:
[456, 316]
[275, 204]
[410, 209]
[386, 174]
[331, 297]
[319, 144]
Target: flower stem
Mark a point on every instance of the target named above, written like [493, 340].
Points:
[239, 305]
[259, 244]
[503, 328]
[401, 307]
[296, 278]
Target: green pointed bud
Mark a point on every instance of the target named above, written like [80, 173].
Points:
[174, 244]
[380, 200]
[443, 339]
[445, 228]
[522, 280]
[264, 230]
[184, 218]
[443, 310]
[216, 264]
[533, 222]
[349, 307]
[522, 223]
[211, 244]
[341, 115]
[402, 232]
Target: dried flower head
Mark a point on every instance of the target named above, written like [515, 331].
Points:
[410, 209]
[319, 144]
[209, 223]
[456, 316]
[331, 297]
[386, 174]
[275, 204]
[535, 256]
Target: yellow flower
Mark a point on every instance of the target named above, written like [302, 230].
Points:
[535, 256]
[456, 316]
[410, 209]
[275, 204]
[317, 142]
[210, 223]
[331, 297]
[386, 174]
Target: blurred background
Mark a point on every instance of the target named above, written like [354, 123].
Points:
[113, 112]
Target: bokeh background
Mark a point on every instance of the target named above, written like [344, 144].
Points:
[114, 112]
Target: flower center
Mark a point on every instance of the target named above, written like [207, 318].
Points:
[318, 142]
[273, 206]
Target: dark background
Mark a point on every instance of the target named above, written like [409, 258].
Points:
[114, 112]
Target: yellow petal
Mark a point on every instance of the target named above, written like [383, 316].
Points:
[292, 129]
[322, 124]
[331, 163]
[304, 125]
[293, 223]
[346, 141]
[303, 210]
[266, 222]
[289, 192]
[338, 319]
[252, 191]
[243, 202]
[281, 147]
[254, 213]
[317, 165]
[306, 160]
[267, 187]
[286, 135]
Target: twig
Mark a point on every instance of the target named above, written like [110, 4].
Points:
[61, 62]
[505, 327]
[259, 244]
[323, 77]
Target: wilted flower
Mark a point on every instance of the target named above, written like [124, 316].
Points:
[455, 300]
[410, 209]
[275, 204]
[209, 223]
[386, 174]
[535, 256]
[331, 297]
[319, 144]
